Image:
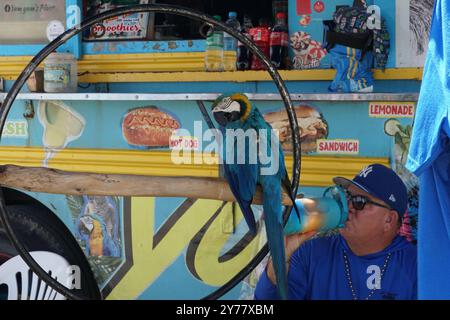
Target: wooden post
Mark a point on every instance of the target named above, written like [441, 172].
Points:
[81, 183]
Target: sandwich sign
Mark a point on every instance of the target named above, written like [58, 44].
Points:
[338, 146]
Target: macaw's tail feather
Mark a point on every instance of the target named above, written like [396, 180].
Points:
[275, 238]
[248, 215]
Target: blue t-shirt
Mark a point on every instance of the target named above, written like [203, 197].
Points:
[429, 159]
[318, 272]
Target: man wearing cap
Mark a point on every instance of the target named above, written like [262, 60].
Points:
[366, 260]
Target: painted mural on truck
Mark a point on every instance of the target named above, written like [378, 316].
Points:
[182, 248]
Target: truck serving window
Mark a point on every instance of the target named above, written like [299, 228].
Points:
[177, 27]
[173, 27]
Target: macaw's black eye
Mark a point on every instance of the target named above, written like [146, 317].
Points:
[233, 116]
[221, 117]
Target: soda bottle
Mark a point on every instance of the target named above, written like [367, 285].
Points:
[279, 42]
[214, 49]
[279, 6]
[244, 55]
[261, 37]
[230, 43]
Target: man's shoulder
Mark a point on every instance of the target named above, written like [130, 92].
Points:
[410, 250]
[406, 246]
[320, 243]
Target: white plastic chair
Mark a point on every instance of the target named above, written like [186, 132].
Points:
[30, 286]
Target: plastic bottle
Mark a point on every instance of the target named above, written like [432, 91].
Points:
[261, 37]
[320, 213]
[60, 73]
[230, 43]
[244, 55]
[214, 50]
[279, 54]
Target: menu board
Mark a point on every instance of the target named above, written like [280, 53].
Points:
[28, 21]
[130, 26]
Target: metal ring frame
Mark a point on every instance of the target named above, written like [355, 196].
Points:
[156, 8]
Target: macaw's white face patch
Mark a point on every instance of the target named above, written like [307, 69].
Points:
[227, 105]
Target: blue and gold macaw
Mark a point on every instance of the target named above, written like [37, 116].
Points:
[234, 112]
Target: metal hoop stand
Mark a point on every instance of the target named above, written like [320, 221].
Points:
[156, 8]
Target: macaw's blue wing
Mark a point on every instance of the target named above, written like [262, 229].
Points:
[242, 181]
[275, 235]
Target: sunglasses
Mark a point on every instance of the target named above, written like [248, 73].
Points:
[359, 201]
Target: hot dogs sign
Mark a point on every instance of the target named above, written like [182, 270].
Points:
[148, 127]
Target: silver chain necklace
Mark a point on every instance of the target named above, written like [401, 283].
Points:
[349, 278]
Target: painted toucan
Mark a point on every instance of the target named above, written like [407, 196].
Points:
[233, 112]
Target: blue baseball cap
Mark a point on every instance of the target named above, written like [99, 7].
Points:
[382, 183]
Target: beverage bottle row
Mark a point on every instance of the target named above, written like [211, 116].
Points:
[224, 52]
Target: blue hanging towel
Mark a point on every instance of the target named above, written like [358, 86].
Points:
[353, 73]
[429, 159]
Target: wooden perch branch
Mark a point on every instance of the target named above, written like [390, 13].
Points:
[81, 183]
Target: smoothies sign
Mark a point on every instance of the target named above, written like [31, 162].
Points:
[127, 26]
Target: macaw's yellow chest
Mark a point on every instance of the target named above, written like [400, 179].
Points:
[96, 240]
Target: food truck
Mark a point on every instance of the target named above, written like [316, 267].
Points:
[128, 96]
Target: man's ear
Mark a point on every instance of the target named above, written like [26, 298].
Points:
[388, 220]
[391, 218]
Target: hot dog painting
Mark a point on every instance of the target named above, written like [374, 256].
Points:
[148, 127]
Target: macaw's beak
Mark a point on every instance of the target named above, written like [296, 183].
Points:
[223, 118]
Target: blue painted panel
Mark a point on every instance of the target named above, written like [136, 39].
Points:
[192, 87]
[249, 87]
[381, 86]
[29, 49]
[22, 50]
[121, 47]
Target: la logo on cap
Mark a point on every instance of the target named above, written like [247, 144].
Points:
[365, 172]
